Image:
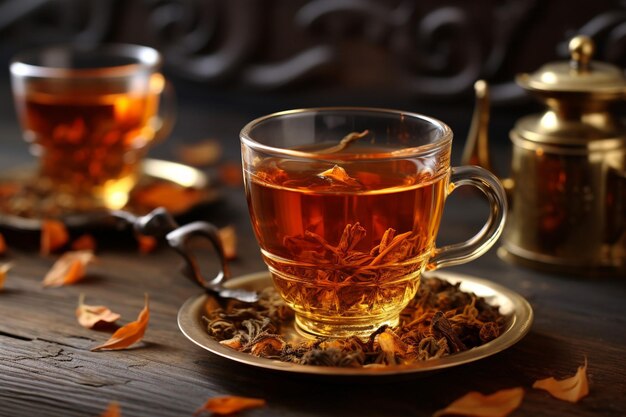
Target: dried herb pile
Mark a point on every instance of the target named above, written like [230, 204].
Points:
[439, 321]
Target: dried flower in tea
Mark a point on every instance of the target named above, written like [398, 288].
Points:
[4, 268]
[68, 269]
[84, 242]
[475, 404]
[229, 405]
[128, 334]
[569, 389]
[113, 410]
[54, 236]
[91, 316]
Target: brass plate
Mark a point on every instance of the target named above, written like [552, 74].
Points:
[513, 306]
[153, 172]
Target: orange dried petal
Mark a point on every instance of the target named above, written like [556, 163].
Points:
[3, 245]
[68, 269]
[146, 244]
[203, 153]
[173, 197]
[90, 316]
[54, 236]
[84, 242]
[475, 404]
[229, 404]
[113, 410]
[4, 268]
[129, 334]
[228, 236]
[231, 174]
[570, 389]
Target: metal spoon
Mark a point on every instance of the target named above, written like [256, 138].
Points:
[161, 225]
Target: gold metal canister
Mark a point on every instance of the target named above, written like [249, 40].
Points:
[568, 172]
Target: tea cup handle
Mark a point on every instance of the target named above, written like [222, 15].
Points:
[477, 245]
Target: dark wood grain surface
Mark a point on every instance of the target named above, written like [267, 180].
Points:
[47, 368]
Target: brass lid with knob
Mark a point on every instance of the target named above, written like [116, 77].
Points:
[580, 75]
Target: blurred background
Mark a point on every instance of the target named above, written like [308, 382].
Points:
[231, 61]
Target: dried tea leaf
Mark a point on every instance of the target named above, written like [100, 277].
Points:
[391, 346]
[229, 404]
[91, 316]
[203, 153]
[228, 236]
[4, 268]
[54, 236]
[3, 245]
[113, 410]
[84, 242]
[570, 389]
[146, 244]
[129, 334]
[68, 269]
[345, 142]
[475, 404]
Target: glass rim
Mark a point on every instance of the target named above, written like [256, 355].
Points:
[446, 135]
[146, 58]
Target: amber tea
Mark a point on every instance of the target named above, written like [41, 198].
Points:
[89, 116]
[347, 221]
[323, 230]
[89, 141]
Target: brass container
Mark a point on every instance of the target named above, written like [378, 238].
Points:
[568, 171]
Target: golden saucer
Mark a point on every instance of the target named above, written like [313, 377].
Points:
[154, 173]
[514, 307]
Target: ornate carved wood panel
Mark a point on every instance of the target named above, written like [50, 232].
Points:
[418, 48]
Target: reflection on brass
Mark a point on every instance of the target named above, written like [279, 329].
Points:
[568, 172]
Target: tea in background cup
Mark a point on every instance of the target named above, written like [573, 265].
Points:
[346, 205]
[90, 115]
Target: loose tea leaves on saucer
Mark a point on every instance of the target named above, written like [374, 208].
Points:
[440, 320]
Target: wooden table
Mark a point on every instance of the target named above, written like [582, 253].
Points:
[47, 368]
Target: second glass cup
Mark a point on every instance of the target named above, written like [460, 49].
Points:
[90, 116]
[346, 205]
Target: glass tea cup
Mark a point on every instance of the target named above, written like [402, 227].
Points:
[90, 115]
[346, 204]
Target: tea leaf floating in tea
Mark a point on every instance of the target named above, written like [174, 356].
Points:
[229, 405]
[475, 404]
[339, 175]
[439, 320]
[344, 142]
[570, 389]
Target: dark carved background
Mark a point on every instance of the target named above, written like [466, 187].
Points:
[415, 48]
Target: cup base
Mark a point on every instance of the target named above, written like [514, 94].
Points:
[342, 328]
